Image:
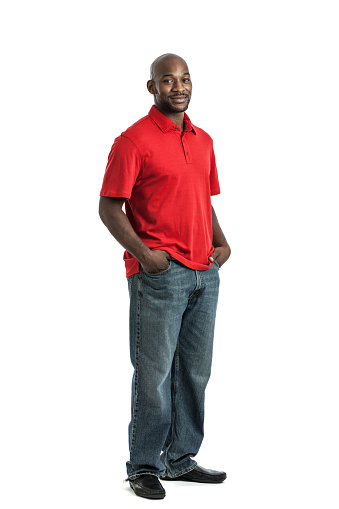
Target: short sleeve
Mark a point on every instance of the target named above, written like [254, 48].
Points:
[122, 170]
[214, 180]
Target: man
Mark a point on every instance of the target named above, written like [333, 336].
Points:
[163, 169]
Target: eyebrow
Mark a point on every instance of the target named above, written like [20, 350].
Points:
[164, 75]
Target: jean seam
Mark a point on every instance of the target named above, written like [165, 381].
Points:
[185, 471]
[136, 394]
[135, 476]
[175, 390]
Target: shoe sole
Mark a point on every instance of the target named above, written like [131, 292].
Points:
[216, 481]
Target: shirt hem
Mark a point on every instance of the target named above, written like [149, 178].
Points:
[116, 194]
[130, 271]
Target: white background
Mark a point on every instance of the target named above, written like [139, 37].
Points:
[265, 86]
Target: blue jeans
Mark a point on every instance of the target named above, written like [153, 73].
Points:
[172, 316]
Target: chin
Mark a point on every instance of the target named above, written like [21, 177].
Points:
[178, 109]
[171, 108]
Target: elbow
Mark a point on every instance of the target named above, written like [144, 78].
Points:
[102, 210]
[110, 210]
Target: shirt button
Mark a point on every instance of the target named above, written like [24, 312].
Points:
[187, 153]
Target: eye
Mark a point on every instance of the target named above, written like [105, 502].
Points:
[186, 80]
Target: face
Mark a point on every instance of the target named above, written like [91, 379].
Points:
[171, 86]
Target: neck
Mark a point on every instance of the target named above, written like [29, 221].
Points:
[177, 118]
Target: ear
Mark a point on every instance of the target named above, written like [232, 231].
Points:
[151, 87]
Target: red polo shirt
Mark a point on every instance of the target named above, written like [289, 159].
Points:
[167, 178]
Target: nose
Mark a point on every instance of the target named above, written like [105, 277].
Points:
[178, 86]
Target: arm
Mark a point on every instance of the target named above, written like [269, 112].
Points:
[222, 250]
[113, 217]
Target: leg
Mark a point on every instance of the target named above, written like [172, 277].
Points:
[191, 372]
[156, 309]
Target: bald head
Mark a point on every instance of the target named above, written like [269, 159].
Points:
[171, 86]
[161, 62]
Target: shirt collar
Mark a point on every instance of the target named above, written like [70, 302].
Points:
[165, 124]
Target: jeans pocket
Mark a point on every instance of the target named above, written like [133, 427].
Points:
[157, 273]
[217, 264]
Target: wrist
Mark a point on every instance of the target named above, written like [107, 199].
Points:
[145, 256]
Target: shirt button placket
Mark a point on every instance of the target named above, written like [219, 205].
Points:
[187, 152]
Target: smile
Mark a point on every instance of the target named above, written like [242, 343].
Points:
[178, 98]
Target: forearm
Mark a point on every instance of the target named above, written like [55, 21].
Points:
[222, 250]
[120, 227]
[219, 238]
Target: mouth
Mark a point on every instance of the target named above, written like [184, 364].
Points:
[178, 98]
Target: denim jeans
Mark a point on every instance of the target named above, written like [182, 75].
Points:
[172, 316]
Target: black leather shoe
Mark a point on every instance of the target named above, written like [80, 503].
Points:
[147, 486]
[199, 474]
